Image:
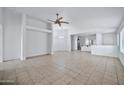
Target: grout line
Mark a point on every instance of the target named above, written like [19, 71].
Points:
[28, 73]
[104, 71]
[91, 75]
[3, 72]
[116, 72]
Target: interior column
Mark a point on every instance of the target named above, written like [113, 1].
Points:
[23, 34]
[99, 39]
[75, 42]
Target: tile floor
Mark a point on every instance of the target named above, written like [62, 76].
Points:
[64, 68]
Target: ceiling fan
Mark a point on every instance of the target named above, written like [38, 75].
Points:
[58, 20]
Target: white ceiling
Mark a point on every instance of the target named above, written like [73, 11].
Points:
[82, 19]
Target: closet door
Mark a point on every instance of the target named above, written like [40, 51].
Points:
[36, 43]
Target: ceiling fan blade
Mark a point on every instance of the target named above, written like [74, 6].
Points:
[64, 22]
[51, 20]
[59, 24]
[60, 18]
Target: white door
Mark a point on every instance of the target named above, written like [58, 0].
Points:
[36, 43]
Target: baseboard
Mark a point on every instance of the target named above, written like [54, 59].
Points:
[11, 60]
[30, 57]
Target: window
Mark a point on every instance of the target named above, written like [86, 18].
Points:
[122, 41]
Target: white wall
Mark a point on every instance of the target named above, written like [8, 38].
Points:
[35, 22]
[49, 43]
[1, 15]
[109, 39]
[99, 38]
[36, 43]
[1, 43]
[61, 40]
[105, 50]
[12, 35]
[1, 36]
[74, 42]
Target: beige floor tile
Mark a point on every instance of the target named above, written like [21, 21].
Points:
[109, 82]
[59, 82]
[9, 75]
[24, 79]
[63, 68]
[1, 74]
[77, 82]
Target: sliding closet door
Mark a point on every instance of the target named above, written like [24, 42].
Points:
[36, 43]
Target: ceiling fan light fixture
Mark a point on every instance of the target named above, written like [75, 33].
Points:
[58, 20]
